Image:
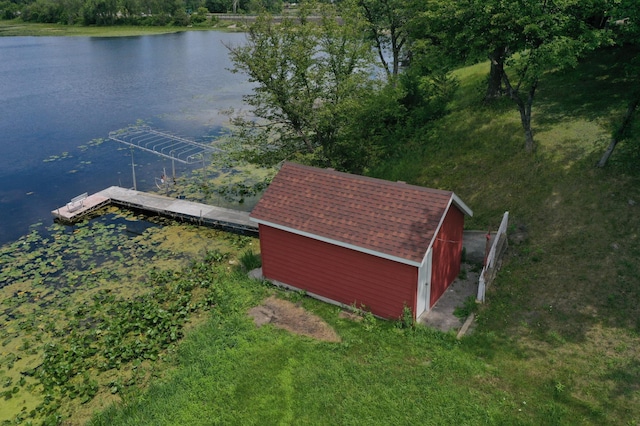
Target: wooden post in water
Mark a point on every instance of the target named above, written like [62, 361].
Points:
[133, 171]
[204, 174]
[173, 167]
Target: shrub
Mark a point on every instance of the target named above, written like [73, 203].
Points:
[406, 319]
[250, 260]
[467, 308]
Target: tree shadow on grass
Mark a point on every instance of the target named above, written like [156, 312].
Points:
[626, 378]
[595, 90]
[569, 263]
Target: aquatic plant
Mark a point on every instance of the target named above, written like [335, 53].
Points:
[91, 309]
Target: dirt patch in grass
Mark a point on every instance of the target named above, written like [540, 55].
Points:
[295, 319]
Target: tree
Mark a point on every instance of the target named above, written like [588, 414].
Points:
[621, 132]
[523, 40]
[100, 12]
[626, 25]
[306, 74]
[467, 31]
[385, 25]
[8, 10]
[48, 11]
[553, 39]
[529, 38]
[218, 6]
[271, 6]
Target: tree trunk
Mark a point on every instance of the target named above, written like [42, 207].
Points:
[524, 108]
[525, 119]
[620, 133]
[529, 144]
[607, 153]
[496, 71]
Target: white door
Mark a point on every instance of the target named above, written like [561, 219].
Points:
[424, 285]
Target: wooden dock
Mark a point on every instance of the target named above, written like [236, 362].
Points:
[189, 211]
[91, 203]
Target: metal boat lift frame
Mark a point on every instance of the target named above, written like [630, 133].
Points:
[170, 146]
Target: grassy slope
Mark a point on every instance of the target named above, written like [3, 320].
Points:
[567, 299]
[558, 341]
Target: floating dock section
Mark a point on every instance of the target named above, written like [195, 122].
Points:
[189, 211]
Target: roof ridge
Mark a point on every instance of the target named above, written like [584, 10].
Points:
[353, 176]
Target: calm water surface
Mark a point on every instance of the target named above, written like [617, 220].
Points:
[57, 94]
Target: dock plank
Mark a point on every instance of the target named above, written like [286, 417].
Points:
[158, 204]
[91, 203]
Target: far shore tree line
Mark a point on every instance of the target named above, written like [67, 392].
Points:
[130, 12]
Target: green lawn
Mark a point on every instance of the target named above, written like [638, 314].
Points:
[558, 341]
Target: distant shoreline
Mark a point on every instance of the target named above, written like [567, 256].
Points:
[17, 28]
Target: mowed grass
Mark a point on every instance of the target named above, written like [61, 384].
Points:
[558, 341]
[230, 372]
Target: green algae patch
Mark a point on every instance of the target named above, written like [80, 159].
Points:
[18, 391]
[222, 185]
[90, 312]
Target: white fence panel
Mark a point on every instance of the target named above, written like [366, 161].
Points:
[490, 269]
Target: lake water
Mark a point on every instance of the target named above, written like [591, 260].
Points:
[58, 94]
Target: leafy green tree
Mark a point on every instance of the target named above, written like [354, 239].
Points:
[373, 129]
[192, 6]
[554, 38]
[180, 17]
[46, 11]
[99, 12]
[200, 15]
[130, 11]
[8, 10]
[227, 6]
[71, 11]
[522, 39]
[258, 6]
[308, 75]
[385, 25]
[452, 34]
[428, 87]
[218, 6]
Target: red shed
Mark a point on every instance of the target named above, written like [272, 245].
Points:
[351, 239]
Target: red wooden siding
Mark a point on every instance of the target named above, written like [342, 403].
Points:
[447, 252]
[337, 273]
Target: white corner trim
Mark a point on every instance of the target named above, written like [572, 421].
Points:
[339, 243]
[437, 230]
[461, 205]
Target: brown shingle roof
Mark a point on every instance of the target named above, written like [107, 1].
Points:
[391, 218]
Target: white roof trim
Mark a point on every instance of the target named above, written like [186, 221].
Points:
[461, 205]
[339, 243]
[437, 230]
